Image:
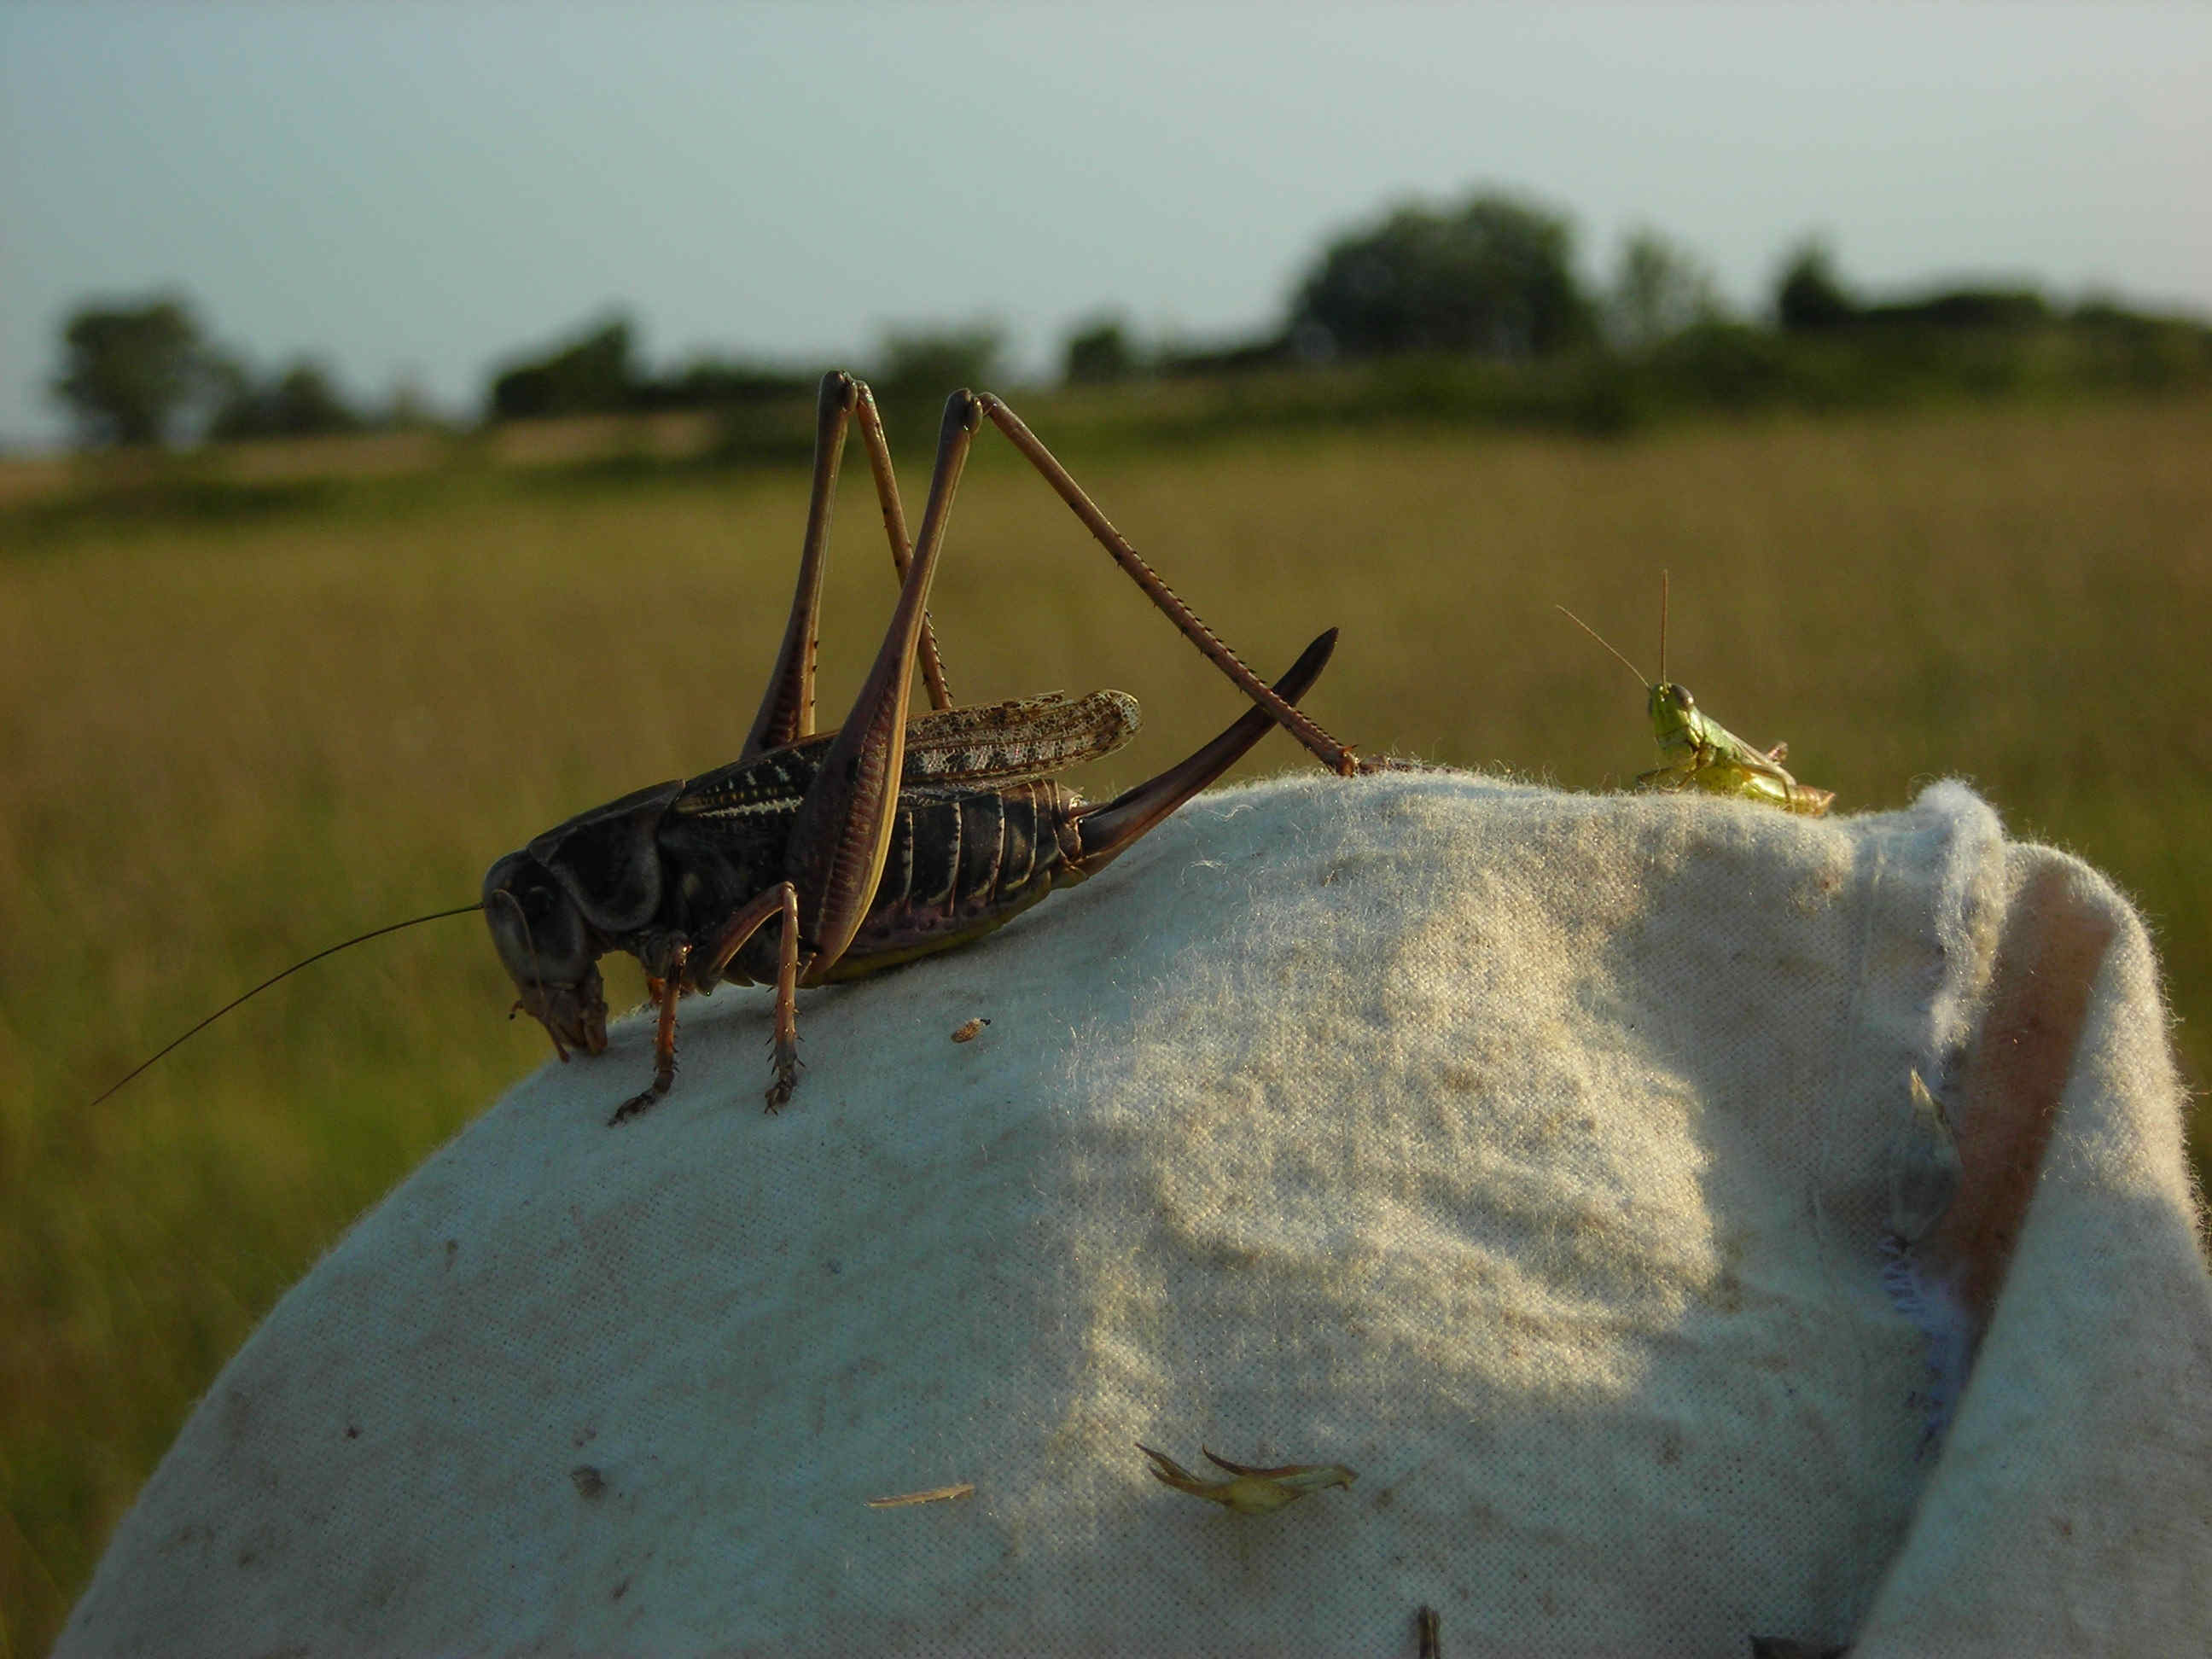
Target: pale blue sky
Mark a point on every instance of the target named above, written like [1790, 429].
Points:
[415, 190]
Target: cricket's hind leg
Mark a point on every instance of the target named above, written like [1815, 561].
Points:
[787, 710]
[842, 829]
[1326, 749]
[1106, 830]
[887, 498]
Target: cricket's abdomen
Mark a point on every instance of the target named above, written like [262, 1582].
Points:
[961, 864]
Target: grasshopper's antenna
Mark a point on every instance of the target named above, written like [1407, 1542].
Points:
[1662, 626]
[1607, 644]
[358, 939]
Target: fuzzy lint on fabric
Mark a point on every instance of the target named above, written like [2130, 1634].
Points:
[1532, 1154]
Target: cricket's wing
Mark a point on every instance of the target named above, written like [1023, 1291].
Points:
[1007, 742]
[947, 748]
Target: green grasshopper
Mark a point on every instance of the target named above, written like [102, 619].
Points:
[1696, 751]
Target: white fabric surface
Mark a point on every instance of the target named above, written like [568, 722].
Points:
[1526, 1152]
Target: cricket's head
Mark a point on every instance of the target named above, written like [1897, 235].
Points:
[546, 944]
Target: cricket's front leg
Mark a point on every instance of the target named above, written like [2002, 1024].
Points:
[664, 1040]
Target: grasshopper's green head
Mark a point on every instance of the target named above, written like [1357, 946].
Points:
[1674, 716]
[546, 946]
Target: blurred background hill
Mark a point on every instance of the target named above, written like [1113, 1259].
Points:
[405, 412]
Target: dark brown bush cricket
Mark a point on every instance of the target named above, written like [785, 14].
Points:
[817, 857]
[814, 858]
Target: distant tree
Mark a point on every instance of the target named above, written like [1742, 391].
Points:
[709, 383]
[926, 365]
[308, 401]
[1658, 292]
[409, 409]
[2011, 308]
[301, 402]
[128, 372]
[1099, 351]
[1243, 355]
[1494, 275]
[591, 374]
[1810, 296]
[231, 394]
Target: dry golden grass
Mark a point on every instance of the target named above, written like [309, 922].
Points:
[672, 437]
[224, 747]
[33, 477]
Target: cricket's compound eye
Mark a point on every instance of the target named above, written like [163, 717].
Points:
[537, 926]
[546, 949]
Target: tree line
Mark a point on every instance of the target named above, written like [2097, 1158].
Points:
[137, 373]
[1490, 278]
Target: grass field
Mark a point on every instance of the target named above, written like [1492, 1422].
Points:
[224, 746]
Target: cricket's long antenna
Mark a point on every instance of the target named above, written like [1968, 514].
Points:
[1662, 626]
[358, 939]
[1607, 644]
